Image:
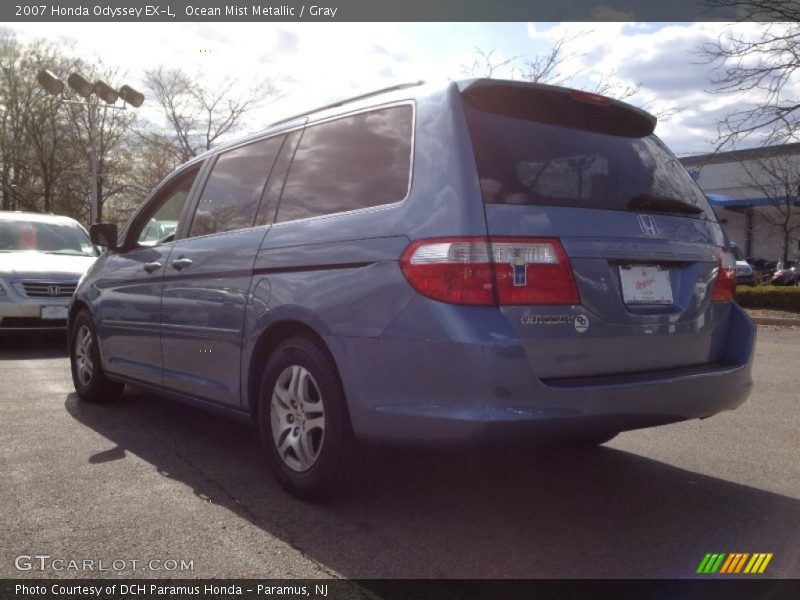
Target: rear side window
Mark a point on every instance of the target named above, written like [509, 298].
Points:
[531, 161]
[233, 191]
[354, 162]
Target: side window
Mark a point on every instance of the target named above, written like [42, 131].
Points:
[233, 191]
[159, 224]
[349, 163]
[272, 193]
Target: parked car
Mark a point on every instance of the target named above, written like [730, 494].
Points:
[424, 264]
[42, 257]
[786, 273]
[744, 272]
[159, 230]
[762, 268]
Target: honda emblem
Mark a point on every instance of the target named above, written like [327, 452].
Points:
[648, 225]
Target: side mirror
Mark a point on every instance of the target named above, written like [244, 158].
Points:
[104, 234]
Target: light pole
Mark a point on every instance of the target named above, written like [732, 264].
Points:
[91, 93]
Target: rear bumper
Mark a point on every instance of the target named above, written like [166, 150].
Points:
[423, 391]
[570, 411]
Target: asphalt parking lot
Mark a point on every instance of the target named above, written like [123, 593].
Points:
[146, 479]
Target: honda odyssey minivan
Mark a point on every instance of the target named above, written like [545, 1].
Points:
[423, 264]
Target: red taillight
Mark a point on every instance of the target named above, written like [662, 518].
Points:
[726, 276]
[491, 271]
[589, 98]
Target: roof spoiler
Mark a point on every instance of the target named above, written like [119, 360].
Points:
[558, 106]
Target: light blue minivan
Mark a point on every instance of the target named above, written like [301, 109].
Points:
[423, 264]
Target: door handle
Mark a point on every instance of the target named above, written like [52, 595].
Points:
[181, 263]
[152, 266]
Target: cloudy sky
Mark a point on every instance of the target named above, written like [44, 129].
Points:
[316, 63]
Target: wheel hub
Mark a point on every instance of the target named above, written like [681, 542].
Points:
[297, 418]
[84, 365]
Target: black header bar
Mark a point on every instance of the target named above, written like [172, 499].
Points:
[740, 588]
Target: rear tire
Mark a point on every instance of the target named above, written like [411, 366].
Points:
[87, 373]
[304, 424]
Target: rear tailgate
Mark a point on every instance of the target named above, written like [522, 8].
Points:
[639, 236]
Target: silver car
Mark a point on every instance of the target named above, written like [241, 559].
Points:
[42, 257]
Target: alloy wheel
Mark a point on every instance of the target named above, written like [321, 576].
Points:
[297, 418]
[84, 365]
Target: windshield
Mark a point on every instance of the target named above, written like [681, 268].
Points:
[524, 161]
[51, 238]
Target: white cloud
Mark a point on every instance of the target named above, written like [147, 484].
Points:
[314, 63]
[311, 63]
[664, 59]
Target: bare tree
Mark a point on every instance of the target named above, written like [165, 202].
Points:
[548, 68]
[17, 174]
[765, 66]
[483, 65]
[154, 160]
[777, 178]
[111, 126]
[760, 10]
[35, 144]
[199, 115]
[44, 143]
[48, 142]
[147, 161]
[609, 85]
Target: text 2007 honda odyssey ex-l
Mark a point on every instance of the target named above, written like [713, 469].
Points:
[423, 264]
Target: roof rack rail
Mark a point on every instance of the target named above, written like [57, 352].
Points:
[391, 88]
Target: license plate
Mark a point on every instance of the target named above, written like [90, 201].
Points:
[54, 312]
[645, 284]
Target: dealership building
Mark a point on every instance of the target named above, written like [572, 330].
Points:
[744, 186]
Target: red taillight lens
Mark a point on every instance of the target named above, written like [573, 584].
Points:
[533, 271]
[590, 98]
[725, 287]
[491, 271]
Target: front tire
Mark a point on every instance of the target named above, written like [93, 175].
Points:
[304, 424]
[87, 374]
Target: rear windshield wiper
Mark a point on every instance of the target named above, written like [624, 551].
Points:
[655, 203]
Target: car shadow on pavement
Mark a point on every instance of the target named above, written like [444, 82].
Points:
[461, 513]
[33, 345]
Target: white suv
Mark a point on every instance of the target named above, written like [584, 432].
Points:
[42, 257]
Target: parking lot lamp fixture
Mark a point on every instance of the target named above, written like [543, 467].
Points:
[92, 93]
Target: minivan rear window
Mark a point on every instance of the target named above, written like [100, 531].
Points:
[526, 161]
